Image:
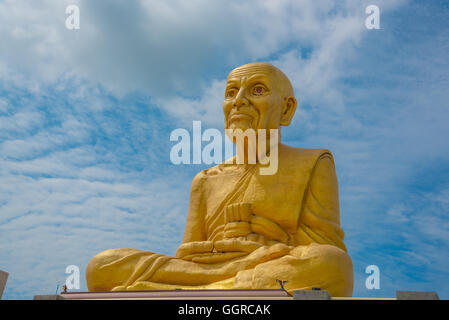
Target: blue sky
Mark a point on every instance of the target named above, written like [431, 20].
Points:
[86, 115]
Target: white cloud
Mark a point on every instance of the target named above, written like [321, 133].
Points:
[164, 49]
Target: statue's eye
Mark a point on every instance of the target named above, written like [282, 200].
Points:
[259, 90]
[231, 93]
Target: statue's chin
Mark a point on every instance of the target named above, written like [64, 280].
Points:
[243, 124]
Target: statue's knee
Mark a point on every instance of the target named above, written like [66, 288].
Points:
[339, 268]
[98, 277]
[93, 272]
[331, 265]
[324, 254]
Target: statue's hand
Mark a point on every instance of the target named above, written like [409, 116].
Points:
[195, 247]
[242, 224]
[236, 245]
[238, 212]
[209, 252]
[237, 218]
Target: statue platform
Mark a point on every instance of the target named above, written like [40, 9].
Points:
[219, 294]
[226, 294]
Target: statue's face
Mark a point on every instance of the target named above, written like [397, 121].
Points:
[252, 99]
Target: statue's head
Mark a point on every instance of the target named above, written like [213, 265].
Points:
[258, 96]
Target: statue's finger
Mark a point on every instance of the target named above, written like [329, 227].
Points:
[245, 211]
[237, 212]
[234, 212]
[226, 214]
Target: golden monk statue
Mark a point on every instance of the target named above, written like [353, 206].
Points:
[245, 230]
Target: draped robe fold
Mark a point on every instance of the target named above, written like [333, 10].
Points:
[295, 234]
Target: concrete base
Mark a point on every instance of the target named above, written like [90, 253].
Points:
[311, 295]
[230, 294]
[416, 295]
[3, 279]
[210, 294]
[49, 297]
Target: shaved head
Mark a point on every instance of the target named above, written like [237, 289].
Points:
[280, 80]
[258, 95]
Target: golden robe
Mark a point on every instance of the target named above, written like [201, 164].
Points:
[245, 230]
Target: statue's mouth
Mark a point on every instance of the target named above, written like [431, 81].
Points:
[246, 116]
[241, 116]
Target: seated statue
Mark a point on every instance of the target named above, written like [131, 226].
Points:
[245, 230]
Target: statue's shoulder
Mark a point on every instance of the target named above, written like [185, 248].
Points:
[293, 155]
[219, 169]
[204, 174]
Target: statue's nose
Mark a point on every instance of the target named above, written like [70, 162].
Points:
[240, 100]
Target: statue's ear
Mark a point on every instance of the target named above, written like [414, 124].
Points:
[288, 111]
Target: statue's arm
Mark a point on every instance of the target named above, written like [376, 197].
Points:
[194, 240]
[195, 230]
[319, 220]
[322, 195]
